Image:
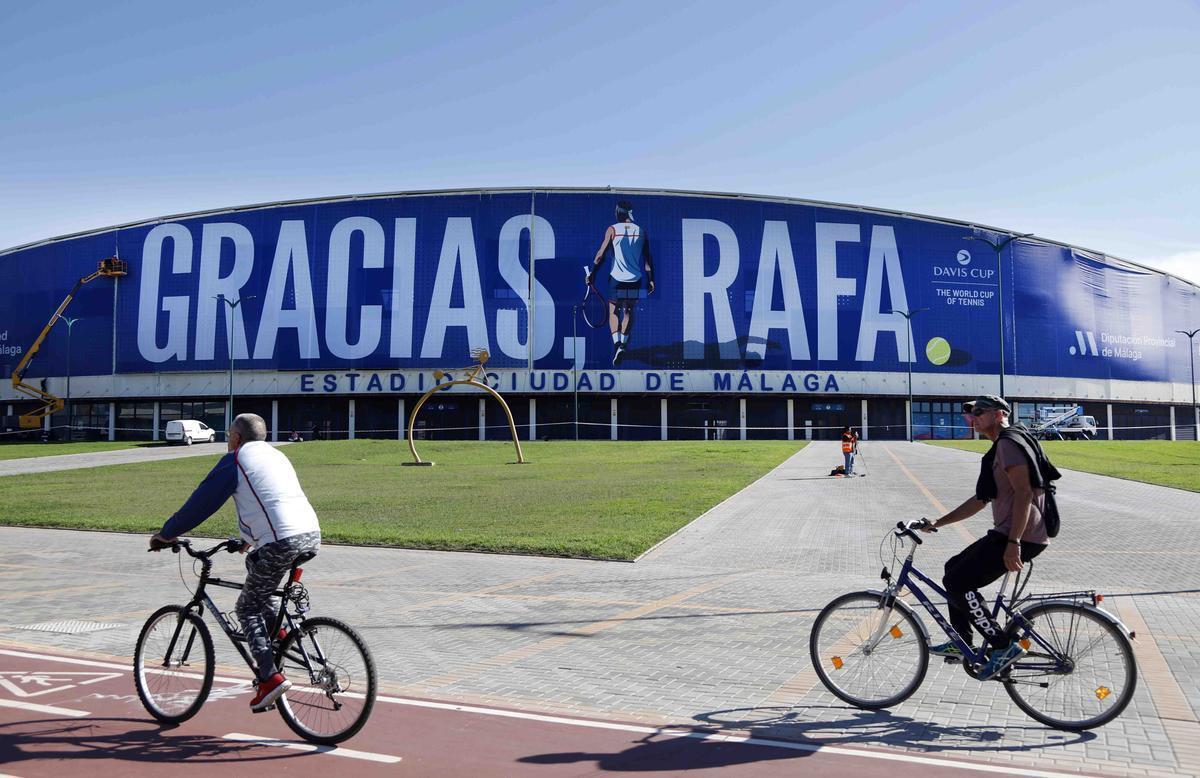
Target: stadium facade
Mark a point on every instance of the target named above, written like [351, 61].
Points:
[770, 318]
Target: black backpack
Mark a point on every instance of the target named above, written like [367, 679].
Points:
[1042, 474]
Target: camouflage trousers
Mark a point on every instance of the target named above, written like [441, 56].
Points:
[257, 607]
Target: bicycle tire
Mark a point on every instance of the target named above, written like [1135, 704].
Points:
[1099, 682]
[170, 696]
[838, 635]
[309, 702]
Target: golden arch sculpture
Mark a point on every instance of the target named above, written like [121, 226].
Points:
[481, 357]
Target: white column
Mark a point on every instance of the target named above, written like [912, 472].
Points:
[533, 418]
[157, 418]
[1110, 424]
[1173, 423]
[112, 421]
[482, 419]
[742, 416]
[863, 428]
[46, 423]
[402, 422]
[662, 417]
[791, 419]
[274, 421]
[350, 417]
[808, 429]
[612, 419]
[908, 420]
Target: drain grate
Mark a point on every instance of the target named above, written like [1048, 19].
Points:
[68, 627]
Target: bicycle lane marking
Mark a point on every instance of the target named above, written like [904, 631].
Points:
[438, 731]
[113, 705]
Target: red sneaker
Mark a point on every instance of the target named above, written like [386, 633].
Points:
[269, 691]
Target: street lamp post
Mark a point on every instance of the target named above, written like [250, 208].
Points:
[70, 408]
[575, 362]
[1191, 334]
[908, 358]
[999, 247]
[233, 304]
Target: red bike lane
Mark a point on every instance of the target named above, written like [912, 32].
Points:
[59, 712]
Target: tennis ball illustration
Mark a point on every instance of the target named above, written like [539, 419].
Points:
[937, 350]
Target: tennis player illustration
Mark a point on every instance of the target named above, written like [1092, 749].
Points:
[632, 272]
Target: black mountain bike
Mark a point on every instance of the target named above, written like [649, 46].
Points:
[329, 665]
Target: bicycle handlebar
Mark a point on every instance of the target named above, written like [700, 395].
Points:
[232, 545]
[903, 528]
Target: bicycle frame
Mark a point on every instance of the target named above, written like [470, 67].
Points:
[975, 657]
[201, 599]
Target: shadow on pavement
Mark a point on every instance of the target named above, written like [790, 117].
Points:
[661, 752]
[841, 726]
[122, 739]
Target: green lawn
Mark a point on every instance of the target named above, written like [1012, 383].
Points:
[1163, 462]
[594, 499]
[26, 450]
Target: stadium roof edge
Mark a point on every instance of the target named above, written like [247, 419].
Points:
[573, 190]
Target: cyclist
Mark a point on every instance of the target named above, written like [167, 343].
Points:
[274, 517]
[1011, 483]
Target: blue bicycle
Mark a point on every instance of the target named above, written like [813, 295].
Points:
[1078, 672]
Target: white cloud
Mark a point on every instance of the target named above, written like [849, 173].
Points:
[1185, 264]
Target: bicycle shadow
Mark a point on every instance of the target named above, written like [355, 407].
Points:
[831, 725]
[121, 739]
[695, 747]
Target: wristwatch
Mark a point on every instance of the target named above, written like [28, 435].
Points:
[1014, 542]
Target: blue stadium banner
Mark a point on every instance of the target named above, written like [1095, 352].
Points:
[704, 287]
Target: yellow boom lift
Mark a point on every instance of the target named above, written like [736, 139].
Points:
[51, 404]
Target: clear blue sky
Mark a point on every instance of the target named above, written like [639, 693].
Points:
[1077, 121]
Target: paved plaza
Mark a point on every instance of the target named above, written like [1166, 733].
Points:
[709, 629]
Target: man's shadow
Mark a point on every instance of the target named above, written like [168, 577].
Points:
[121, 739]
[702, 744]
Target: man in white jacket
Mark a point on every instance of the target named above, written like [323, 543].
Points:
[274, 518]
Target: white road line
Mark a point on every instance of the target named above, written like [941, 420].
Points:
[295, 746]
[783, 744]
[50, 709]
[95, 663]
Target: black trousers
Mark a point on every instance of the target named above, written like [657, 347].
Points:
[976, 566]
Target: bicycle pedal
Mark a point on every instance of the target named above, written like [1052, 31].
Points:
[952, 660]
[263, 710]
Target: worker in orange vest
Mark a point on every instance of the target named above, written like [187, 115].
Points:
[849, 449]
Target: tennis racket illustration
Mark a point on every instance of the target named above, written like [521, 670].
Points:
[594, 306]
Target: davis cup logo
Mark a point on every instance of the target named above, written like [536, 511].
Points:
[964, 257]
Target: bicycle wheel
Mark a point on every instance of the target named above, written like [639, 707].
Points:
[173, 664]
[1085, 680]
[333, 677]
[862, 674]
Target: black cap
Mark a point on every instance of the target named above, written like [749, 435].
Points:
[986, 402]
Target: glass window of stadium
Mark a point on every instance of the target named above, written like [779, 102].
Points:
[135, 420]
[766, 418]
[91, 420]
[827, 417]
[639, 417]
[497, 423]
[374, 417]
[315, 419]
[939, 421]
[703, 418]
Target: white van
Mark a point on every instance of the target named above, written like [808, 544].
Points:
[189, 431]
